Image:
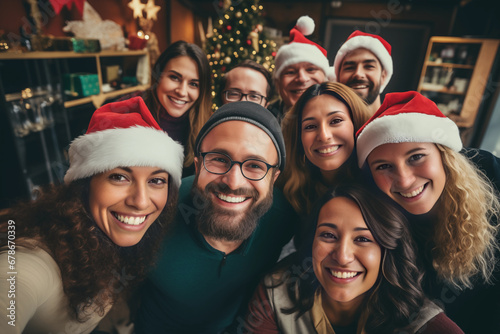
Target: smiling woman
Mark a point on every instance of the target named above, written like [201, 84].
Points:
[84, 243]
[319, 135]
[179, 97]
[414, 154]
[356, 273]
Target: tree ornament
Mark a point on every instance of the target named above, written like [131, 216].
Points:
[228, 28]
[249, 42]
[238, 14]
[273, 54]
[254, 37]
[227, 60]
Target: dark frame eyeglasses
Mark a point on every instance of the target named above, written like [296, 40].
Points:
[221, 163]
[232, 95]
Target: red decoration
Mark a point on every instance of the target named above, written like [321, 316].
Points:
[136, 42]
[273, 53]
[59, 4]
[223, 68]
[228, 28]
[249, 42]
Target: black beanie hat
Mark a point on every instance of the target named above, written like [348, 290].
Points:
[252, 113]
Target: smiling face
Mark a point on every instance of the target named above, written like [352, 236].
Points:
[179, 86]
[295, 79]
[412, 174]
[346, 258]
[125, 201]
[247, 81]
[361, 70]
[327, 133]
[231, 198]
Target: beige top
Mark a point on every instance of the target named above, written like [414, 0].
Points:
[36, 290]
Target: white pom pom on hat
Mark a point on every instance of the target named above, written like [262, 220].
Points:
[305, 24]
[300, 49]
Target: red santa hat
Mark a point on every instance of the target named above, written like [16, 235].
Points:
[300, 49]
[124, 134]
[406, 117]
[373, 43]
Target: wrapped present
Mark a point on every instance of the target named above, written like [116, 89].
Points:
[81, 84]
[83, 45]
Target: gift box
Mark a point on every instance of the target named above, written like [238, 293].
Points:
[83, 45]
[81, 84]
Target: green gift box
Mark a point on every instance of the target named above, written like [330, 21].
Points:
[81, 84]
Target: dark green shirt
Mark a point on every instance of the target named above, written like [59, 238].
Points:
[195, 288]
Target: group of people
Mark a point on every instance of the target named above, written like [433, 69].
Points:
[185, 213]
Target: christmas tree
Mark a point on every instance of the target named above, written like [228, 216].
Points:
[237, 35]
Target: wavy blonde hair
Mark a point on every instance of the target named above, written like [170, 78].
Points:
[464, 237]
[301, 181]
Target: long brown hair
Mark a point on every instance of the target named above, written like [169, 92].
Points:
[201, 110]
[94, 270]
[299, 180]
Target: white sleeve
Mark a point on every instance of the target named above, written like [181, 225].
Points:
[25, 286]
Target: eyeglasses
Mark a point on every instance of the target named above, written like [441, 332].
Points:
[234, 95]
[220, 163]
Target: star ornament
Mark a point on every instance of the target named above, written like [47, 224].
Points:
[137, 7]
[152, 10]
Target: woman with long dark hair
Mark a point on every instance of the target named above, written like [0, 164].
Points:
[70, 254]
[355, 273]
[180, 95]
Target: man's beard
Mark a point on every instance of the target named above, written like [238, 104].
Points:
[223, 224]
[373, 90]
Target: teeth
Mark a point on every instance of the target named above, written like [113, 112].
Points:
[343, 274]
[359, 86]
[413, 193]
[131, 220]
[329, 150]
[298, 91]
[230, 199]
[178, 101]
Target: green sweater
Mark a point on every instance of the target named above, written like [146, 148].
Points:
[195, 288]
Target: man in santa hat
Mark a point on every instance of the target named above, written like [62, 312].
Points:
[299, 65]
[364, 63]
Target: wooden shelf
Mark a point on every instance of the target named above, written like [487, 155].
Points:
[451, 65]
[97, 100]
[484, 52]
[68, 54]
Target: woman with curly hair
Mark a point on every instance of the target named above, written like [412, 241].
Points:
[355, 274]
[319, 136]
[180, 96]
[414, 155]
[68, 256]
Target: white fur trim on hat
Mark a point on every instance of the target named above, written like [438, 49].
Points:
[372, 44]
[101, 151]
[294, 53]
[408, 127]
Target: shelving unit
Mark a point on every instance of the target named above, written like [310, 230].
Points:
[455, 75]
[36, 156]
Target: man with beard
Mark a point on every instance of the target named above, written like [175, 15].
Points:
[299, 65]
[229, 230]
[364, 63]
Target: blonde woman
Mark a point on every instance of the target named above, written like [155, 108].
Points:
[414, 155]
[319, 139]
